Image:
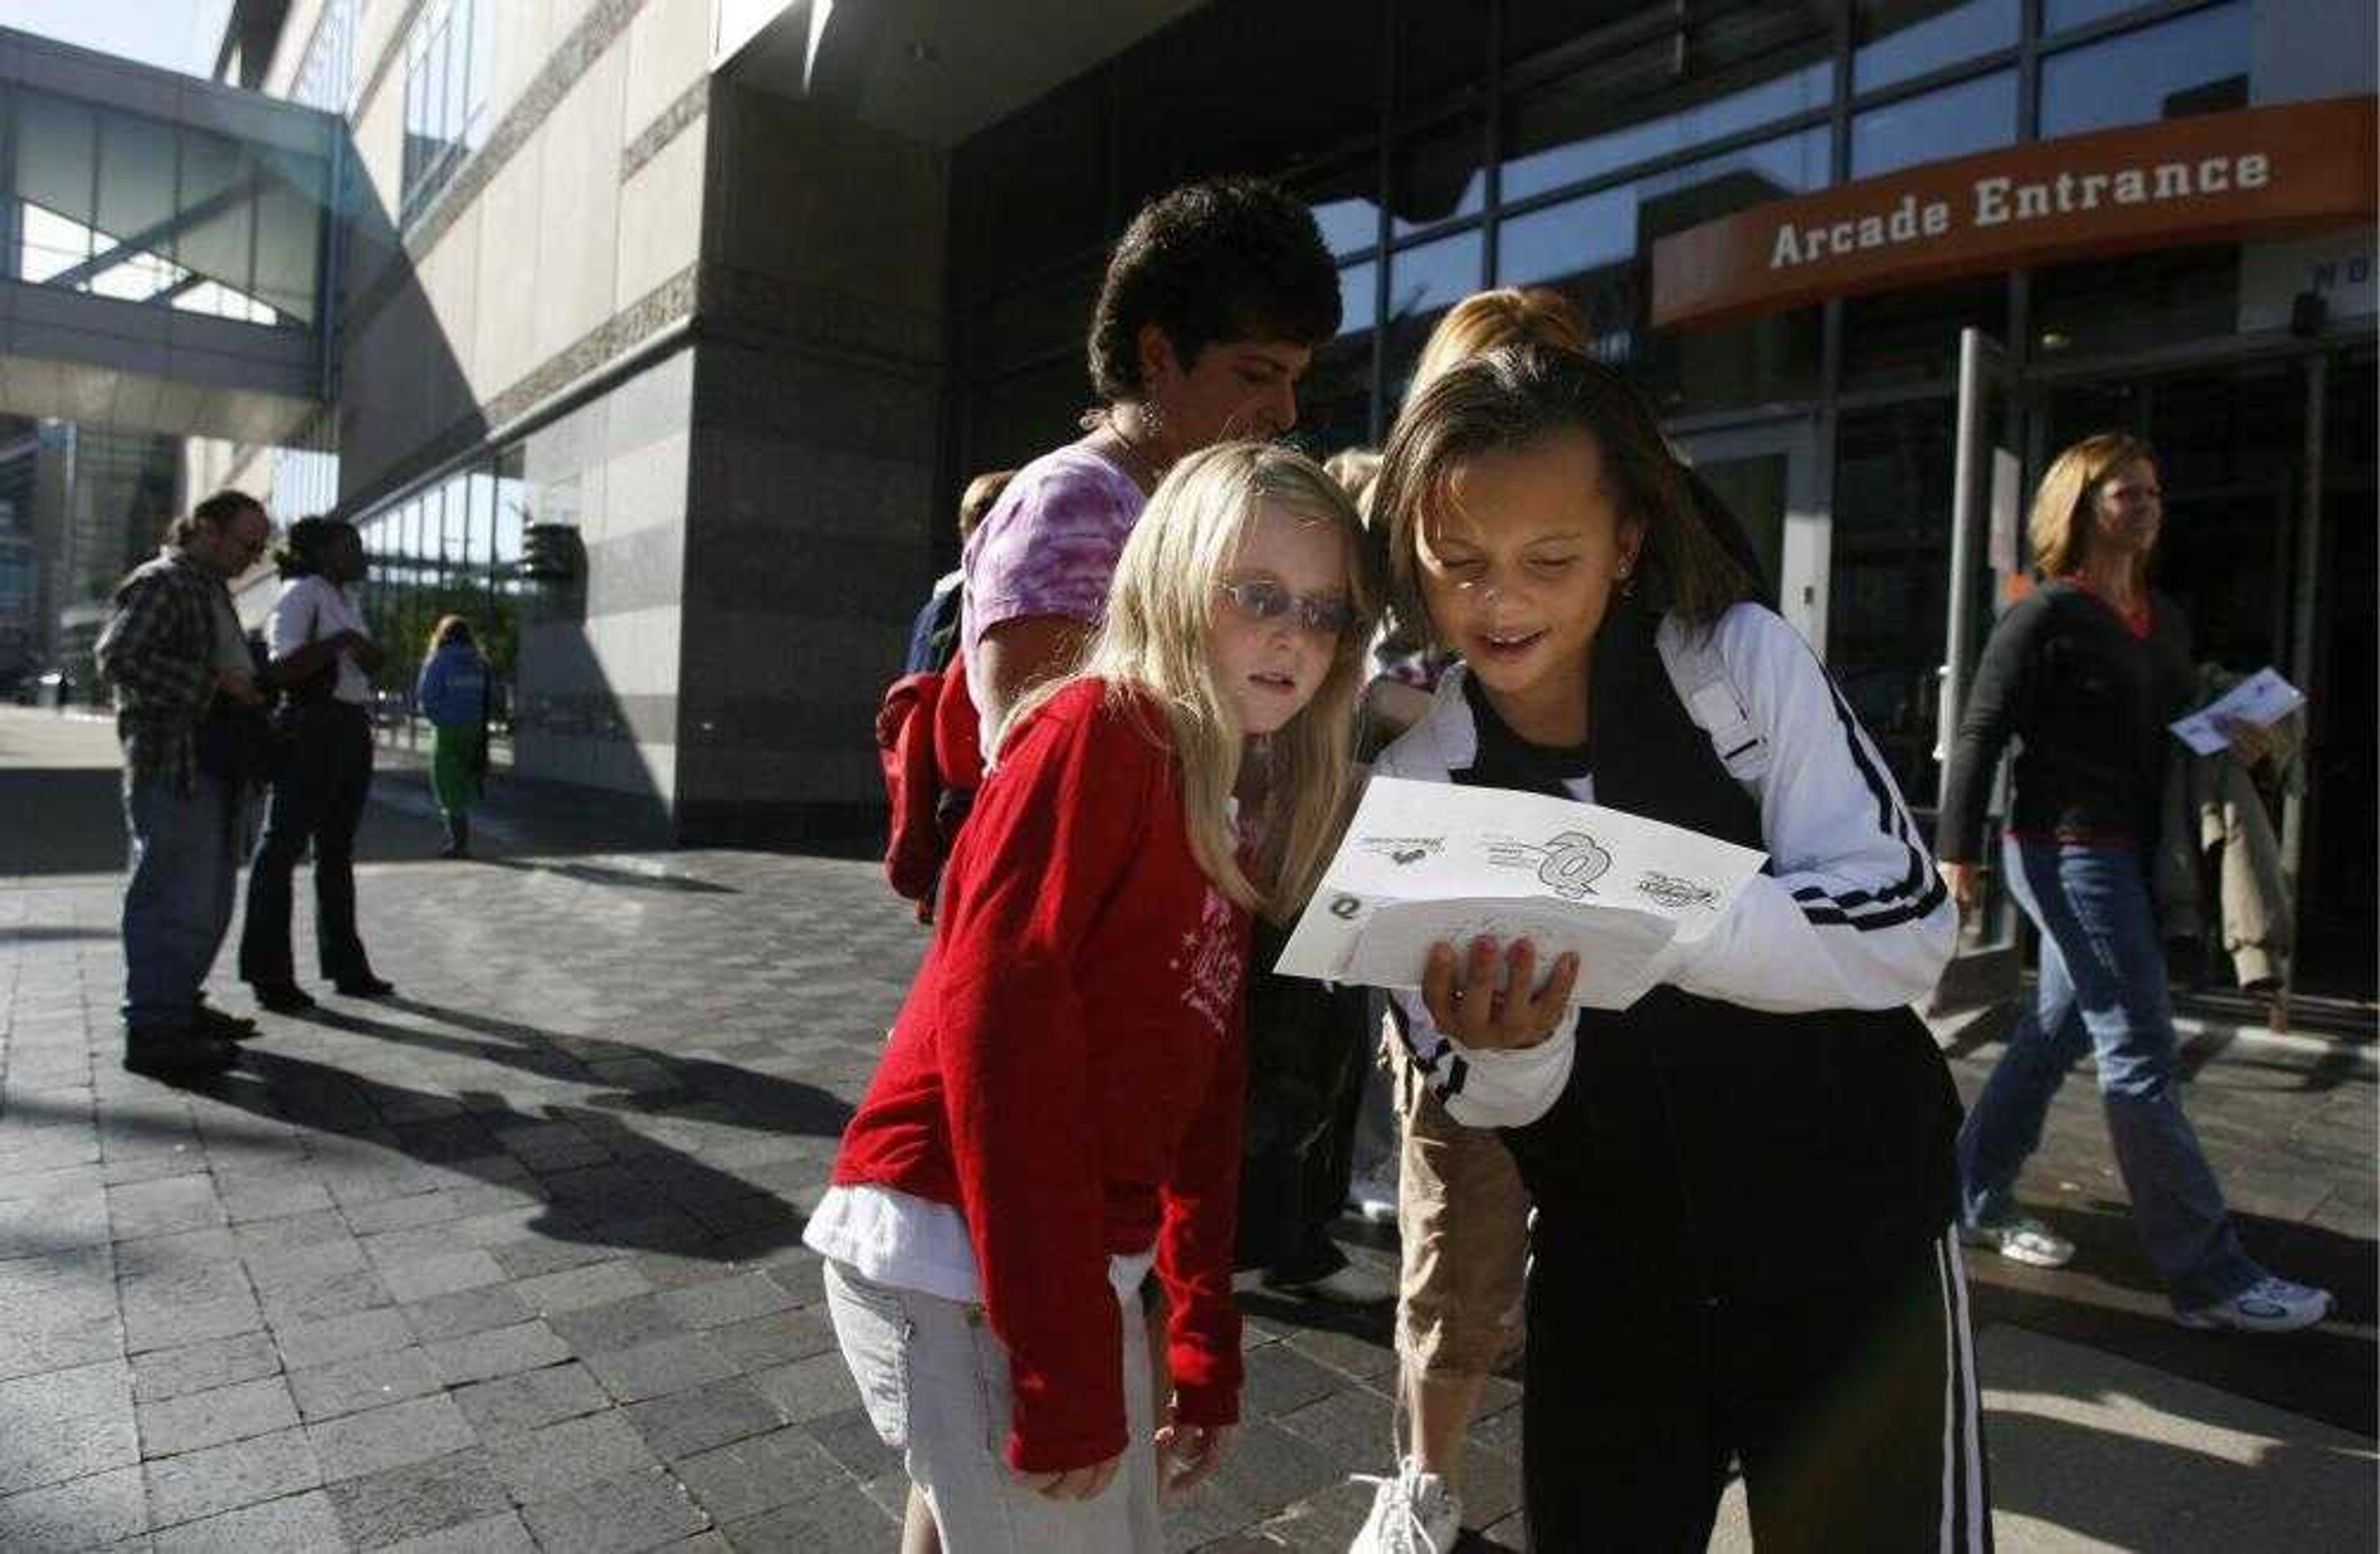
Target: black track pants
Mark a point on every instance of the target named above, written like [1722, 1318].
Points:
[1854, 1414]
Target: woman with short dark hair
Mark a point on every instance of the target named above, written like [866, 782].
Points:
[1214, 301]
[323, 658]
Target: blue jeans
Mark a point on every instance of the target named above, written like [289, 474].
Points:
[178, 902]
[2103, 991]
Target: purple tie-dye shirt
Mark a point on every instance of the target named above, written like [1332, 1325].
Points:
[1049, 546]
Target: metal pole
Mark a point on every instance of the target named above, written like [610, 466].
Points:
[1965, 480]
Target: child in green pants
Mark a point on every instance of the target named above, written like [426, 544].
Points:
[453, 694]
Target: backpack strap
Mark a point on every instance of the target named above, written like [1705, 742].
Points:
[1699, 673]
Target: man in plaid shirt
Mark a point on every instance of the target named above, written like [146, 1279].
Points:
[172, 647]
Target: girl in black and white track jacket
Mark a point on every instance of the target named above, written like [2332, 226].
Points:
[1741, 1249]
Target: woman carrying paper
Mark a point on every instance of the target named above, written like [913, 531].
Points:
[2086, 673]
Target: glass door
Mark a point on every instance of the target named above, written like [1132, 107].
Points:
[1767, 475]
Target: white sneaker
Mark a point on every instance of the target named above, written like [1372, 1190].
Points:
[2271, 1304]
[1354, 1284]
[1372, 1199]
[2021, 1238]
[1412, 1513]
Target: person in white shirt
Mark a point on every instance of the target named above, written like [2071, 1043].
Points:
[323, 658]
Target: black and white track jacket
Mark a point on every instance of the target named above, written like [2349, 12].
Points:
[1778, 1058]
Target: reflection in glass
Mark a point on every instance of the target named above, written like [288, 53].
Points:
[1358, 293]
[1345, 202]
[1423, 282]
[1951, 121]
[1598, 250]
[1629, 106]
[2057, 16]
[1910, 335]
[1898, 39]
[2194, 64]
[1438, 175]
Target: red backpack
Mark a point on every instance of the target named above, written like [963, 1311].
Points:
[928, 748]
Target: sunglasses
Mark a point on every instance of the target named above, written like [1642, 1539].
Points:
[1261, 601]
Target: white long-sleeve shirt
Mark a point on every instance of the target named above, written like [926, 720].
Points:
[1851, 915]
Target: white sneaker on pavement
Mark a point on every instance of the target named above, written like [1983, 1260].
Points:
[2272, 1304]
[2021, 1238]
[1414, 1513]
[1373, 1199]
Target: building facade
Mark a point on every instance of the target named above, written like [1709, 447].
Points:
[670, 330]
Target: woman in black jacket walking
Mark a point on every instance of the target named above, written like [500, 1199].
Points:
[2084, 674]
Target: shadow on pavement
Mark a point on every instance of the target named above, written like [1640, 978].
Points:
[627, 878]
[631, 1193]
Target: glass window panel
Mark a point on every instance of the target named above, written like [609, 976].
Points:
[2161, 298]
[1906, 337]
[1438, 174]
[2194, 64]
[458, 77]
[456, 550]
[1598, 250]
[512, 505]
[1423, 282]
[1950, 121]
[51, 244]
[1898, 39]
[58, 145]
[136, 176]
[1632, 104]
[483, 47]
[1359, 292]
[1345, 202]
[2058, 16]
[289, 240]
[1890, 569]
[481, 545]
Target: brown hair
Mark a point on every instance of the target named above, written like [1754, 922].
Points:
[1488, 319]
[981, 493]
[1510, 398]
[218, 512]
[2061, 524]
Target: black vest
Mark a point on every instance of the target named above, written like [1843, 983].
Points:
[1702, 1149]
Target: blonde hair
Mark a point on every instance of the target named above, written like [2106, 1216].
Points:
[448, 629]
[2061, 524]
[1154, 643]
[1488, 319]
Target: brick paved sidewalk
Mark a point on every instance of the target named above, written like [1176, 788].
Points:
[514, 1261]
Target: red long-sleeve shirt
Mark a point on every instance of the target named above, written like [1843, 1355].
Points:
[1067, 1071]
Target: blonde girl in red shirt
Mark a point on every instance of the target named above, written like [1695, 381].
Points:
[1058, 1109]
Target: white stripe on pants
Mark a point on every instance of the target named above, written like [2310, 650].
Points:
[935, 1382]
[1966, 1508]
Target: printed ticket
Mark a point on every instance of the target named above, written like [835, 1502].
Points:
[1429, 861]
[2263, 699]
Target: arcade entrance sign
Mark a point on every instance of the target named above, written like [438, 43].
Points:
[2216, 176]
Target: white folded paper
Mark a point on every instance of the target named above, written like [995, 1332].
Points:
[2263, 699]
[1429, 861]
